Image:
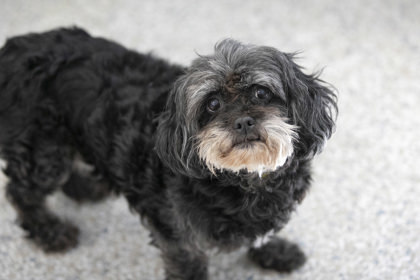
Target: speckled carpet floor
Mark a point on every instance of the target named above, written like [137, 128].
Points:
[361, 219]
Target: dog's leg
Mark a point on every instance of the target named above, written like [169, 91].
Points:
[34, 174]
[277, 254]
[182, 263]
[182, 257]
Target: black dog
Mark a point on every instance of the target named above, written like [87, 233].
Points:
[214, 155]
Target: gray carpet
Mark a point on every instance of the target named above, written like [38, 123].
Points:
[361, 219]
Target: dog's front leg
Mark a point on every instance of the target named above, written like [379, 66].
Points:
[182, 261]
[184, 264]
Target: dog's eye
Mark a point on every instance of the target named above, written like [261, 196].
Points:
[213, 104]
[262, 93]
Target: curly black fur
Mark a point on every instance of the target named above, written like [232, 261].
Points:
[66, 95]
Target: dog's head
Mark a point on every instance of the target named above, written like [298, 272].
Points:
[244, 108]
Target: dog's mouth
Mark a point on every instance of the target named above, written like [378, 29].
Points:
[247, 142]
[244, 146]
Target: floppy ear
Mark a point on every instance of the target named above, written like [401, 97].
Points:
[312, 107]
[170, 132]
[173, 144]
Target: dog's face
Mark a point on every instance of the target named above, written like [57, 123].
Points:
[245, 108]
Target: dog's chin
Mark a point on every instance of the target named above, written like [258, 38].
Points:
[250, 157]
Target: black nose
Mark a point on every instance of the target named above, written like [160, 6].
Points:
[244, 125]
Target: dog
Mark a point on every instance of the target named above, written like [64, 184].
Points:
[214, 155]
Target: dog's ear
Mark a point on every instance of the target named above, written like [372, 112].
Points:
[173, 144]
[312, 107]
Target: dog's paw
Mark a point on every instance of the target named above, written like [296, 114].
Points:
[56, 237]
[278, 254]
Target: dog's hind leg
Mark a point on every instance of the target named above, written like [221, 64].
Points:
[36, 169]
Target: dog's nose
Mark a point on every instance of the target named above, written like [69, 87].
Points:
[244, 125]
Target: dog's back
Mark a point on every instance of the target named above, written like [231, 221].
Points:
[68, 71]
[27, 65]
[65, 80]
